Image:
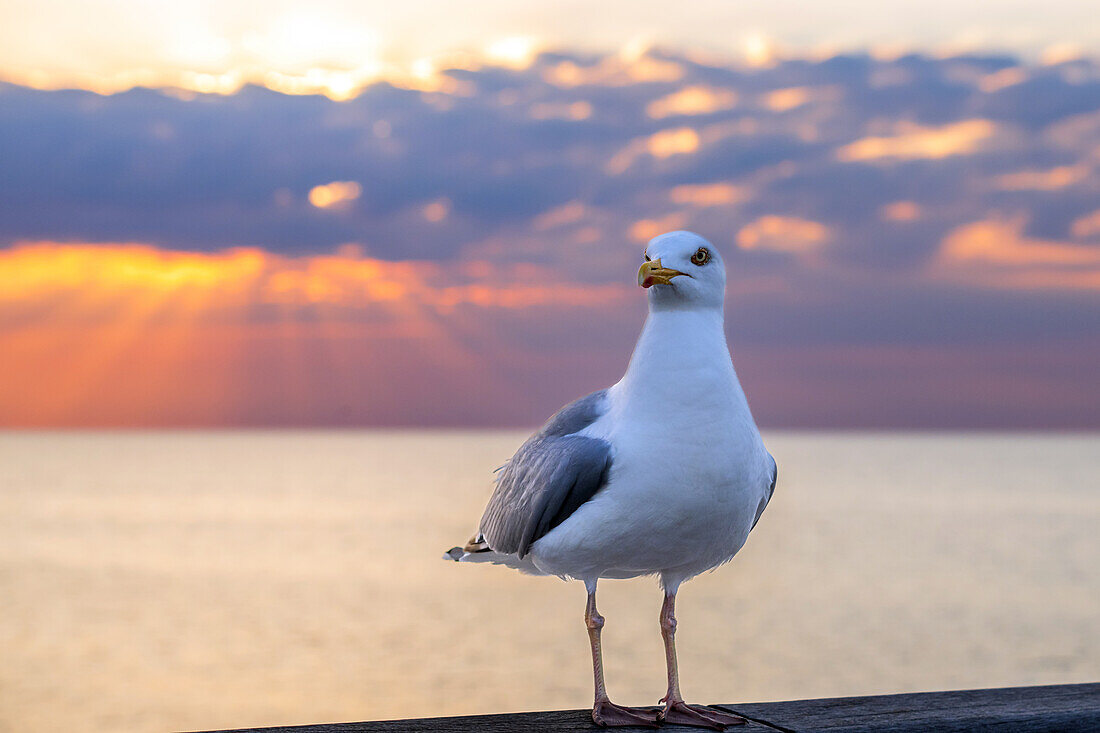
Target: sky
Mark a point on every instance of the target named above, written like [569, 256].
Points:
[337, 45]
[331, 215]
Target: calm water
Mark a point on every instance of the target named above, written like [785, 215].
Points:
[204, 580]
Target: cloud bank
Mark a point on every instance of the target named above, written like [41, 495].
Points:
[912, 242]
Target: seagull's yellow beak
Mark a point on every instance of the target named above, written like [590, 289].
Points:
[651, 273]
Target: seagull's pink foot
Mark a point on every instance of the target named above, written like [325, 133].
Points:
[679, 712]
[609, 715]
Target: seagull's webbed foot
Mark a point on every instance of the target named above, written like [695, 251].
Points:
[609, 715]
[679, 712]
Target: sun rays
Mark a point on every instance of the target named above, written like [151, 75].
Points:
[129, 334]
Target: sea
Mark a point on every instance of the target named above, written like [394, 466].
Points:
[192, 580]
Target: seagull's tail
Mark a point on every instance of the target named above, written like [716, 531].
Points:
[478, 550]
[476, 545]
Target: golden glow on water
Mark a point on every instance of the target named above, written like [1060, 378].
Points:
[193, 581]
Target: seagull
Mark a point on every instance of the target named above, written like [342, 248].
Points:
[662, 474]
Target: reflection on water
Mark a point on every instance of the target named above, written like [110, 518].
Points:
[204, 580]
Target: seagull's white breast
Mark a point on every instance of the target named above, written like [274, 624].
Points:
[689, 469]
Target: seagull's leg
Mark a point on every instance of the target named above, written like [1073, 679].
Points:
[676, 710]
[605, 712]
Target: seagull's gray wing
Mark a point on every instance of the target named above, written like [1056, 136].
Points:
[551, 475]
[768, 495]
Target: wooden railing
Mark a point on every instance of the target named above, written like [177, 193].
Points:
[1050, 709]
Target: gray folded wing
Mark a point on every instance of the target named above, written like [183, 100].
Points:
[773, 476]
[548, 478]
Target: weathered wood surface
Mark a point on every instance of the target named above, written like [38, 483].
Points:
[1025, 709]
[1050, 709]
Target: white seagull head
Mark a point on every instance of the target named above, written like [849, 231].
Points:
[683, 271]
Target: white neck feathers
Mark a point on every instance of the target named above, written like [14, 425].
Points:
[682, 356]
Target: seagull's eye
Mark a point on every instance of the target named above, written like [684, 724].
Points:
[701, 257]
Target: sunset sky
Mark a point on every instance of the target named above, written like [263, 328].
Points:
[337, 45]
[343, 214]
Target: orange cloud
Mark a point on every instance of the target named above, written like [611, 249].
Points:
[569, 213]
[693, 100]
[663, 144]
[996, 253]
[646, 229]
[913, 141]
[1086, 226]
[667, 143]
[708, 194]
[759, 50]
[1050, 179]
[248, 276]
[615, 71]
[561, 111]
[129, 334]
[999, 80]
[782, 100]
[515, 52]
[901, 211]
[783, 234]
[334, 195]
[35, 270]
[437, 210]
